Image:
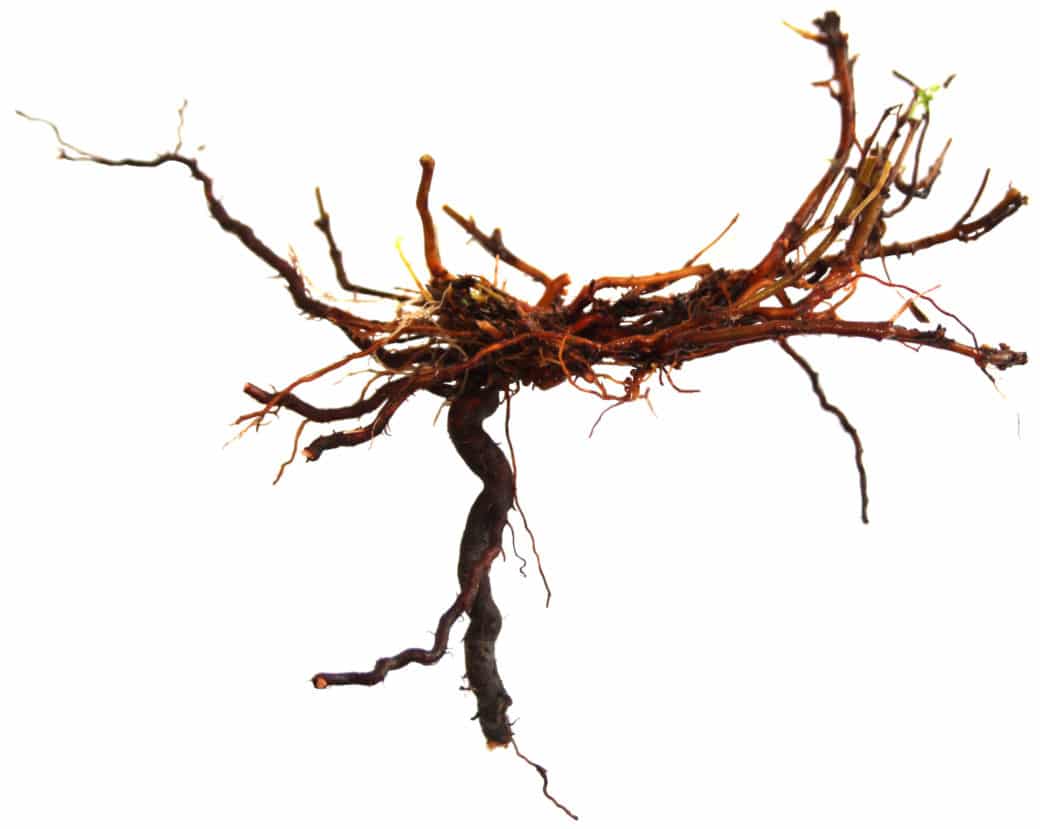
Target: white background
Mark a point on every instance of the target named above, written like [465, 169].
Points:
[727, 645]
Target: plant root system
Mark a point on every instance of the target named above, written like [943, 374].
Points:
[465, 339]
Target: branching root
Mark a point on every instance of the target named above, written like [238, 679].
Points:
[467, 340]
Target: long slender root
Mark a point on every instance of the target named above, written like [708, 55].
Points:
[421, 656]
[846, 424]
[545, 781]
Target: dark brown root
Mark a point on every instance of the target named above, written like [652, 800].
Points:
[481, 542]
[846, 424]
[545, 781]
[483, 532]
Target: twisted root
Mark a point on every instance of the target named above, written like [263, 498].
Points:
[483, 532]
[481, 542]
